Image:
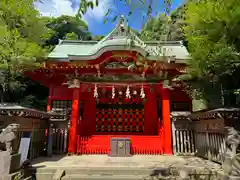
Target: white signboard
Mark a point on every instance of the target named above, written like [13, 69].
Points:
[24, 148]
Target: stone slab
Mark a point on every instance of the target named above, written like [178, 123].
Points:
[136, 161]
[58, 174]
[9, 163]
[136, 167]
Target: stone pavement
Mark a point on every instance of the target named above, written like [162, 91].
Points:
[138, 167]
[134, 161]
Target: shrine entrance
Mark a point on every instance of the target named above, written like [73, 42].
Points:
[111, 113]
[111, 90]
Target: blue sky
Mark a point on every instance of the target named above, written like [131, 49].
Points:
[95, 18]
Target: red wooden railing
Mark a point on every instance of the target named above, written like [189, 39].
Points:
[93, 145]
[101, 144]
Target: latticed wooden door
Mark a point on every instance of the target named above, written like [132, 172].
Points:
[120, 118]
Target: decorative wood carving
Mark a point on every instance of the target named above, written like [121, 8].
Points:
[106, 77]
[118, 65]
[121, 78]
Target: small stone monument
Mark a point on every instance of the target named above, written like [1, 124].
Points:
[9, 158]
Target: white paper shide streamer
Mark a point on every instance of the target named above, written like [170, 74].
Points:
[113, 92]
[128, 94]
[142, 94]
[95, 94]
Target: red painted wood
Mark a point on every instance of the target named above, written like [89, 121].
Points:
[150, 113]
[166, 121]
[63, 92]
[91, 142]
[179, 95]
[150, 116]
[83, 138]
[74, 122]
[49, 104]
[57, 76]
[101, 144]
[59, 98]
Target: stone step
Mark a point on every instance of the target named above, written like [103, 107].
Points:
[110, 171]
[105, 177]
[44, 176]
[101, 171]
[135, 177]
[121, 172]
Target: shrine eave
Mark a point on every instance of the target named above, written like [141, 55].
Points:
[68, 51]
[8, 109]
[219, 113]
[121, 38]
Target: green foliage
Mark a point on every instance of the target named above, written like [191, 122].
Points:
[25, 37]
[20, 45]
[97, 38]
[71, 36]
[212, 31]
[65, 27]
[164, 27]
[177, 24]
[34, 96]
[132, 5]
[156, 28]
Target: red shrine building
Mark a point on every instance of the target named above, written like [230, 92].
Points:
[116, 88]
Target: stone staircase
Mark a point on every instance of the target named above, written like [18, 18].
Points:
[127, 173]
[138, 167]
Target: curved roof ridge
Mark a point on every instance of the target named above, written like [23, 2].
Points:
[165, 42]
[76, 42]
[115, 32]
[61, 42]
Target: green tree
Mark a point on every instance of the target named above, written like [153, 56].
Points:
[165, 27]
[132, 6]
[20, 46]
[212, 32]
[71, 36]
[177, 24]
[156, 28]
[97, 38]
[63, 27]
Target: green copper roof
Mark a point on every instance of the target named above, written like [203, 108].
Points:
[121, 38]
[64, 48]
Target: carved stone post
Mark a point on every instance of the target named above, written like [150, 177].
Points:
[9, 159]
[231, 164]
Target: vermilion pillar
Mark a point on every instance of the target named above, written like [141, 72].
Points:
[166, 121]
[74, 121]
[49, 105]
